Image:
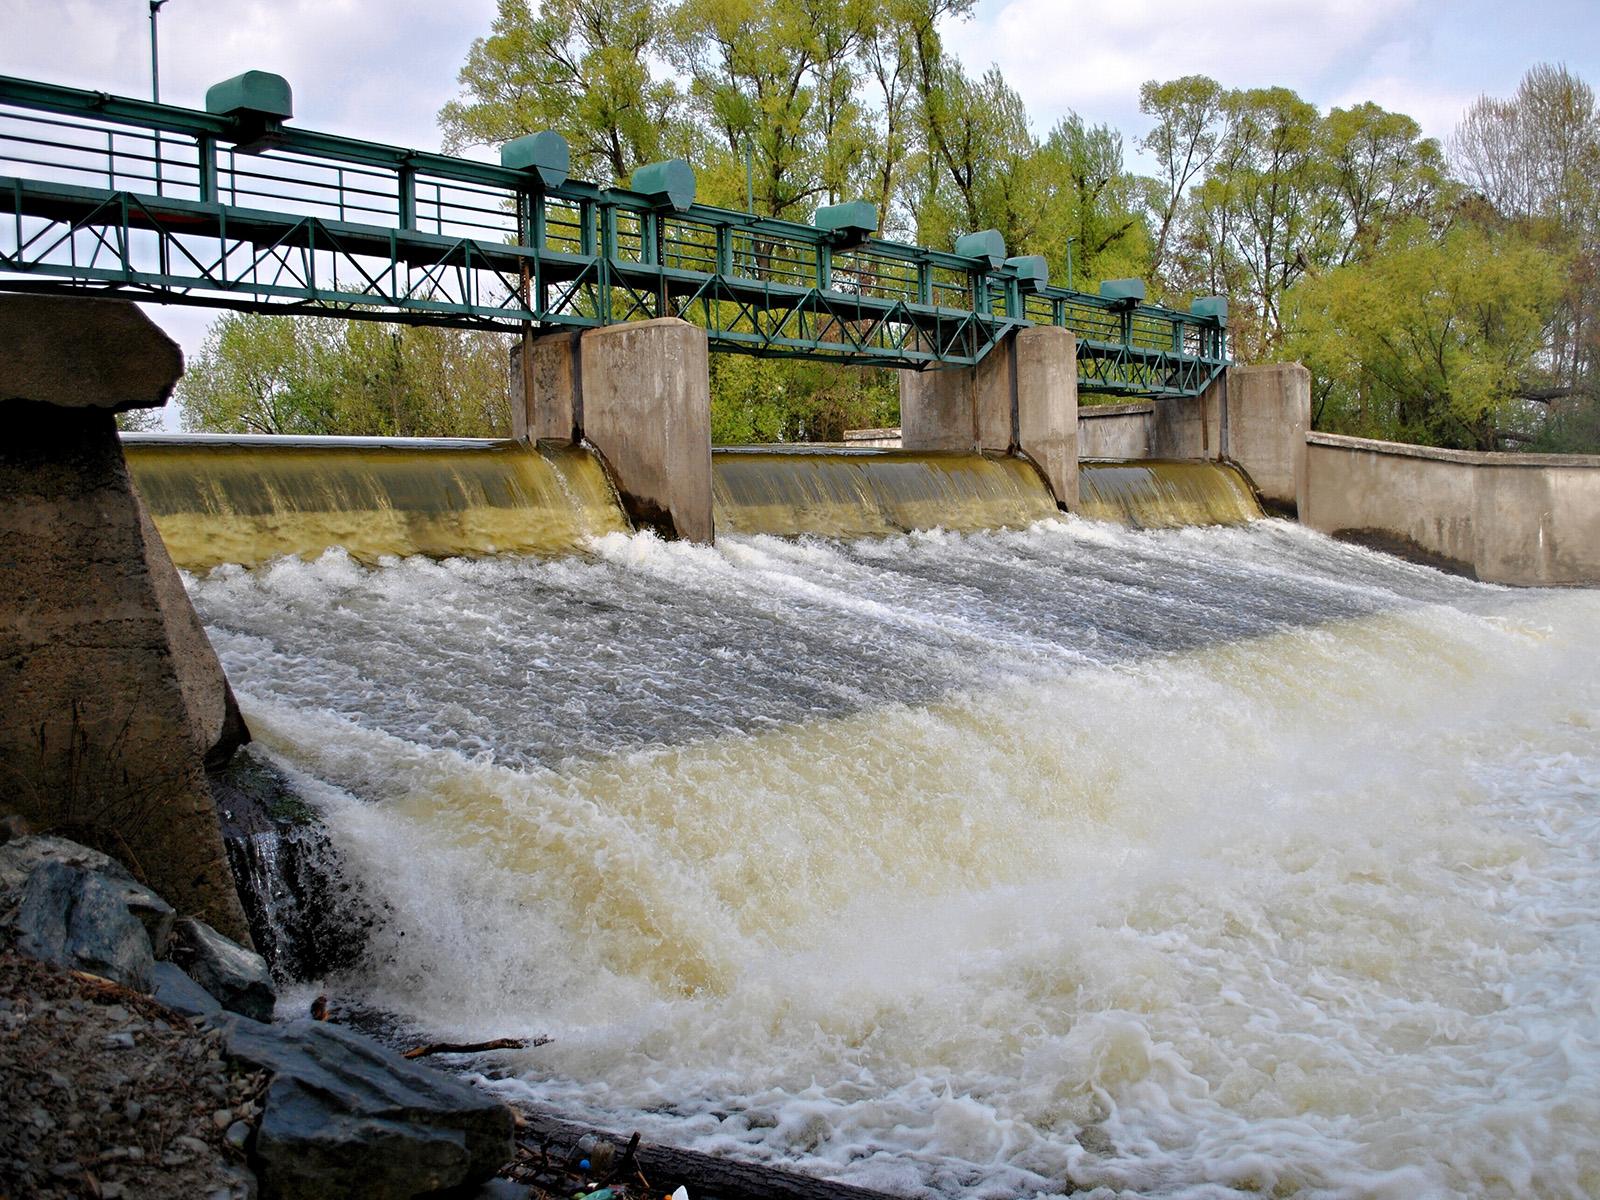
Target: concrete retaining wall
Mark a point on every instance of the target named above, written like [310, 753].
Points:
[1531, 519]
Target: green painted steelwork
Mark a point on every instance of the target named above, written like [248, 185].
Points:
[149, 201]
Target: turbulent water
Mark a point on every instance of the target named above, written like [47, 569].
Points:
[1194, 863]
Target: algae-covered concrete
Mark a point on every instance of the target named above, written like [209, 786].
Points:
[1529, 519]
[114, 696]
[646, 389]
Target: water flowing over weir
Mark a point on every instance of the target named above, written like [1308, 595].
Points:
[1165, 494]
[868, 493]
[1205, 862]
[248, 500]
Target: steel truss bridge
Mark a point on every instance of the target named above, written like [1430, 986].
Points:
[236, 209]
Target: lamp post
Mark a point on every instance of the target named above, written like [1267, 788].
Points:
[155, 82]
[155, 62]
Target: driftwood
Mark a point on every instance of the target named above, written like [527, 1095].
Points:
[473, 1047]
[706, 1176]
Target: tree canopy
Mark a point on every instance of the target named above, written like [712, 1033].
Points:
[1342, 237]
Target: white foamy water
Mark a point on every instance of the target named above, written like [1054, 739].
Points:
[1206, 863]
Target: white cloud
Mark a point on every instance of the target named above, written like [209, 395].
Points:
[374, 70]
[1091, 55]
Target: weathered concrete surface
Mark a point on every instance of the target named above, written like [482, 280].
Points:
[646, 390]
[114, 696]
[1115, 430]
[1268, 414]
[1022, 398]
[936, 410]
[1189, 426]
[118, 358]
[547, 374]
[1045, 367]
[1529, 519]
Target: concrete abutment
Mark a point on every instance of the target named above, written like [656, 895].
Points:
[114, 698]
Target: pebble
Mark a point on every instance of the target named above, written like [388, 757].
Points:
[111, 1191]
[222, 1118]
[133, 1110]
[122, 1041]
[117, 1013]
[238, 1134]
[192, 1144]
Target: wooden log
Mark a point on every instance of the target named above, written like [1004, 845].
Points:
[706, 1176]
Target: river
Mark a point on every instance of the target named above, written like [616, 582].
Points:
[1196, 863]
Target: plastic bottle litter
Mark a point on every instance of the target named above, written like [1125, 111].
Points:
[596, 1154]
[681, 1194]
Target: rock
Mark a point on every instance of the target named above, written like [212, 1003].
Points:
[237, 977]
[79, 919]
[20, 856]
[502, 1189]
[346, 1117]
[182, 994]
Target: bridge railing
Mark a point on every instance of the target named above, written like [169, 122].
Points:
[187, 206]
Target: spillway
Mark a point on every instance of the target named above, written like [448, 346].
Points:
[1165, 493]
[871, 493]
[1073, 858]
[248, 500]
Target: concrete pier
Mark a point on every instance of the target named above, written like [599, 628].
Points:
[640, 394]
[1022, 398]
[114, 698]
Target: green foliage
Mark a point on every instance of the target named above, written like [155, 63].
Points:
[761, 400]
[1429, 341]
[324, 375]
[581, 67]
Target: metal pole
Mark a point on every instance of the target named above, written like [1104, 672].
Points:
[1070, 285]
[749, 178]
[155, 81]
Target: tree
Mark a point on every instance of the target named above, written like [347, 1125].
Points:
[1189, 126]
[325, 375]
[1434, 340]
[1536, 159]
[580, 67]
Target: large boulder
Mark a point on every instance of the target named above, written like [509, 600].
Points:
[20, 856]
[237, 977]
[181, 994]
[79, 919]
[346, 1117]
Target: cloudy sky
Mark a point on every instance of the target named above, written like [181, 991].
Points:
[380, 69]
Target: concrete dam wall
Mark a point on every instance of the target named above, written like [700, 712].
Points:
[249, 500]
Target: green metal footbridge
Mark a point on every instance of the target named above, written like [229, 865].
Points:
[233, 207]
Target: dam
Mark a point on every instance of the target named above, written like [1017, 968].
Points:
[1022, 812]
[956, 847]
[1189, 862]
